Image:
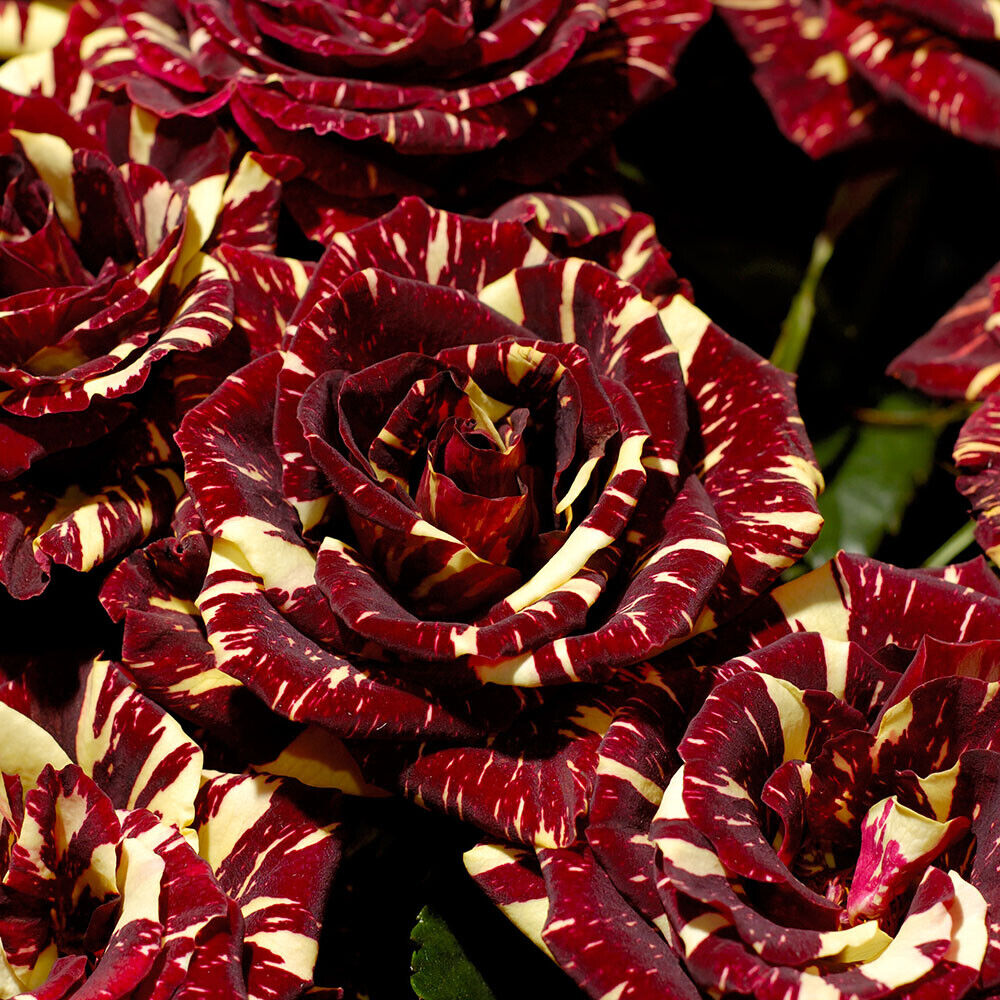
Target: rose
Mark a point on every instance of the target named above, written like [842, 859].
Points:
[831, 71]
[126, 869]
[106, 295]
[880, 793]
[514, 787]
[758, 800]
[874, 885]
[398, 100]
[153, 591]
[376, 579]
[960, 359]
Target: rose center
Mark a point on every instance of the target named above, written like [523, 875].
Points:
[874, 878]
[59, 891]
[489, 446]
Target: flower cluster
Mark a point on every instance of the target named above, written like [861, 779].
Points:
[469, 503]
[380, 101]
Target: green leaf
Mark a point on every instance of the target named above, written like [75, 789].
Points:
[441, 969]
[631, 172]
[830, 448]
[876, 480]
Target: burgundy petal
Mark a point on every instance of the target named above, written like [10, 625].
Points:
[542, 81]
[960, 355]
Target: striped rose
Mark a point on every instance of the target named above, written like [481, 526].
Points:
[824, 828]
[475, 461]
[379, 101]
[128, 870]
[118, 237]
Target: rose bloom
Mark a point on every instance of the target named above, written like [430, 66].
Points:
[474, 461]
[379, 101]
[117, 242]
[126, 870]
[823, 829]
[153, 592]
[960, 359]
[832, 71]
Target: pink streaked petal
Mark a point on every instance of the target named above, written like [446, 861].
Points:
[897, 845]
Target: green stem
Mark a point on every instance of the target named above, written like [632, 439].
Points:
[791, 342]
[955, 546]
[631, 172]
[937, 418]
[852, 198]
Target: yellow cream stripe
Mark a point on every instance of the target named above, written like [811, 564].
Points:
[140, 874]
[245, 802]
[504, 297]
[969, 918]
[981, 380]
[319, 759]
[647, 788]
[529, 916]
[814, 601]
[44, 26]
[903, 961]
[860, 943]
[281, 564]
[582, 543]
[296, 954]
[52, 157]
[26, 748]
[686, 325]
[792, 714]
